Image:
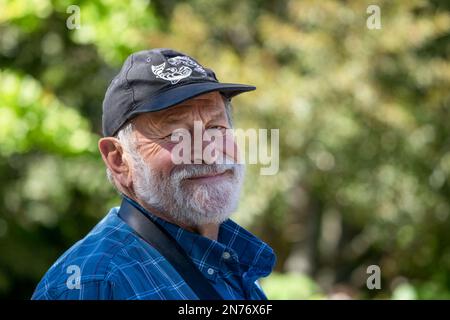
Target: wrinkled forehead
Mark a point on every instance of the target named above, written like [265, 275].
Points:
[208, 105]
[213, 98]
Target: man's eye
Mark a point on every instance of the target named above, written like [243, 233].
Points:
[170, 137]
[218, 128]
[174, 136]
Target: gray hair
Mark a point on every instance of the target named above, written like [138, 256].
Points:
[126, 137]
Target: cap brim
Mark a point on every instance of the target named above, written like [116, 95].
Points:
[176, 95]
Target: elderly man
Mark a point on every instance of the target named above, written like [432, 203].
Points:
[171, 238]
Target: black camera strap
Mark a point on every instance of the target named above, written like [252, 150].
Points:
[167, 246]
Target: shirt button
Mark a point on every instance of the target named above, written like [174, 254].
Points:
[226, 255]
[210, 271]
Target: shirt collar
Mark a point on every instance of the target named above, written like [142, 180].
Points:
[236, 249]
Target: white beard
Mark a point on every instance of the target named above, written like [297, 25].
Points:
[188, 202]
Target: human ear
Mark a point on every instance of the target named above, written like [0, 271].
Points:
[114, 158]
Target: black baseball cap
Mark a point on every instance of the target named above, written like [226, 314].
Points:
[157, 79]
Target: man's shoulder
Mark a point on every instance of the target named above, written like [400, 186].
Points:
[93, 260]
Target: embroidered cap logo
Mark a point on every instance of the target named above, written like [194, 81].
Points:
[179, 68]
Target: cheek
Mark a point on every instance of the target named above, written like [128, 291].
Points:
[159, 157]
[229, 147]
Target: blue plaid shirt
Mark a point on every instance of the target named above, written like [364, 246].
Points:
[113, 262]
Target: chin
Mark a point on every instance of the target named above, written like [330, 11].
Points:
[214, 211]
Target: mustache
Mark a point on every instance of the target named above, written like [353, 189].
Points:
[187, 171]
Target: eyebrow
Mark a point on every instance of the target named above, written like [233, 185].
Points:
[173, 117]
[176, 116]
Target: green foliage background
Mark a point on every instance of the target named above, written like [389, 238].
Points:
[364, 132]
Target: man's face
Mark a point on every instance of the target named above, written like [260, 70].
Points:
[193, 194]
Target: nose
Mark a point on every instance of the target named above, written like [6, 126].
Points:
[204, 149]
